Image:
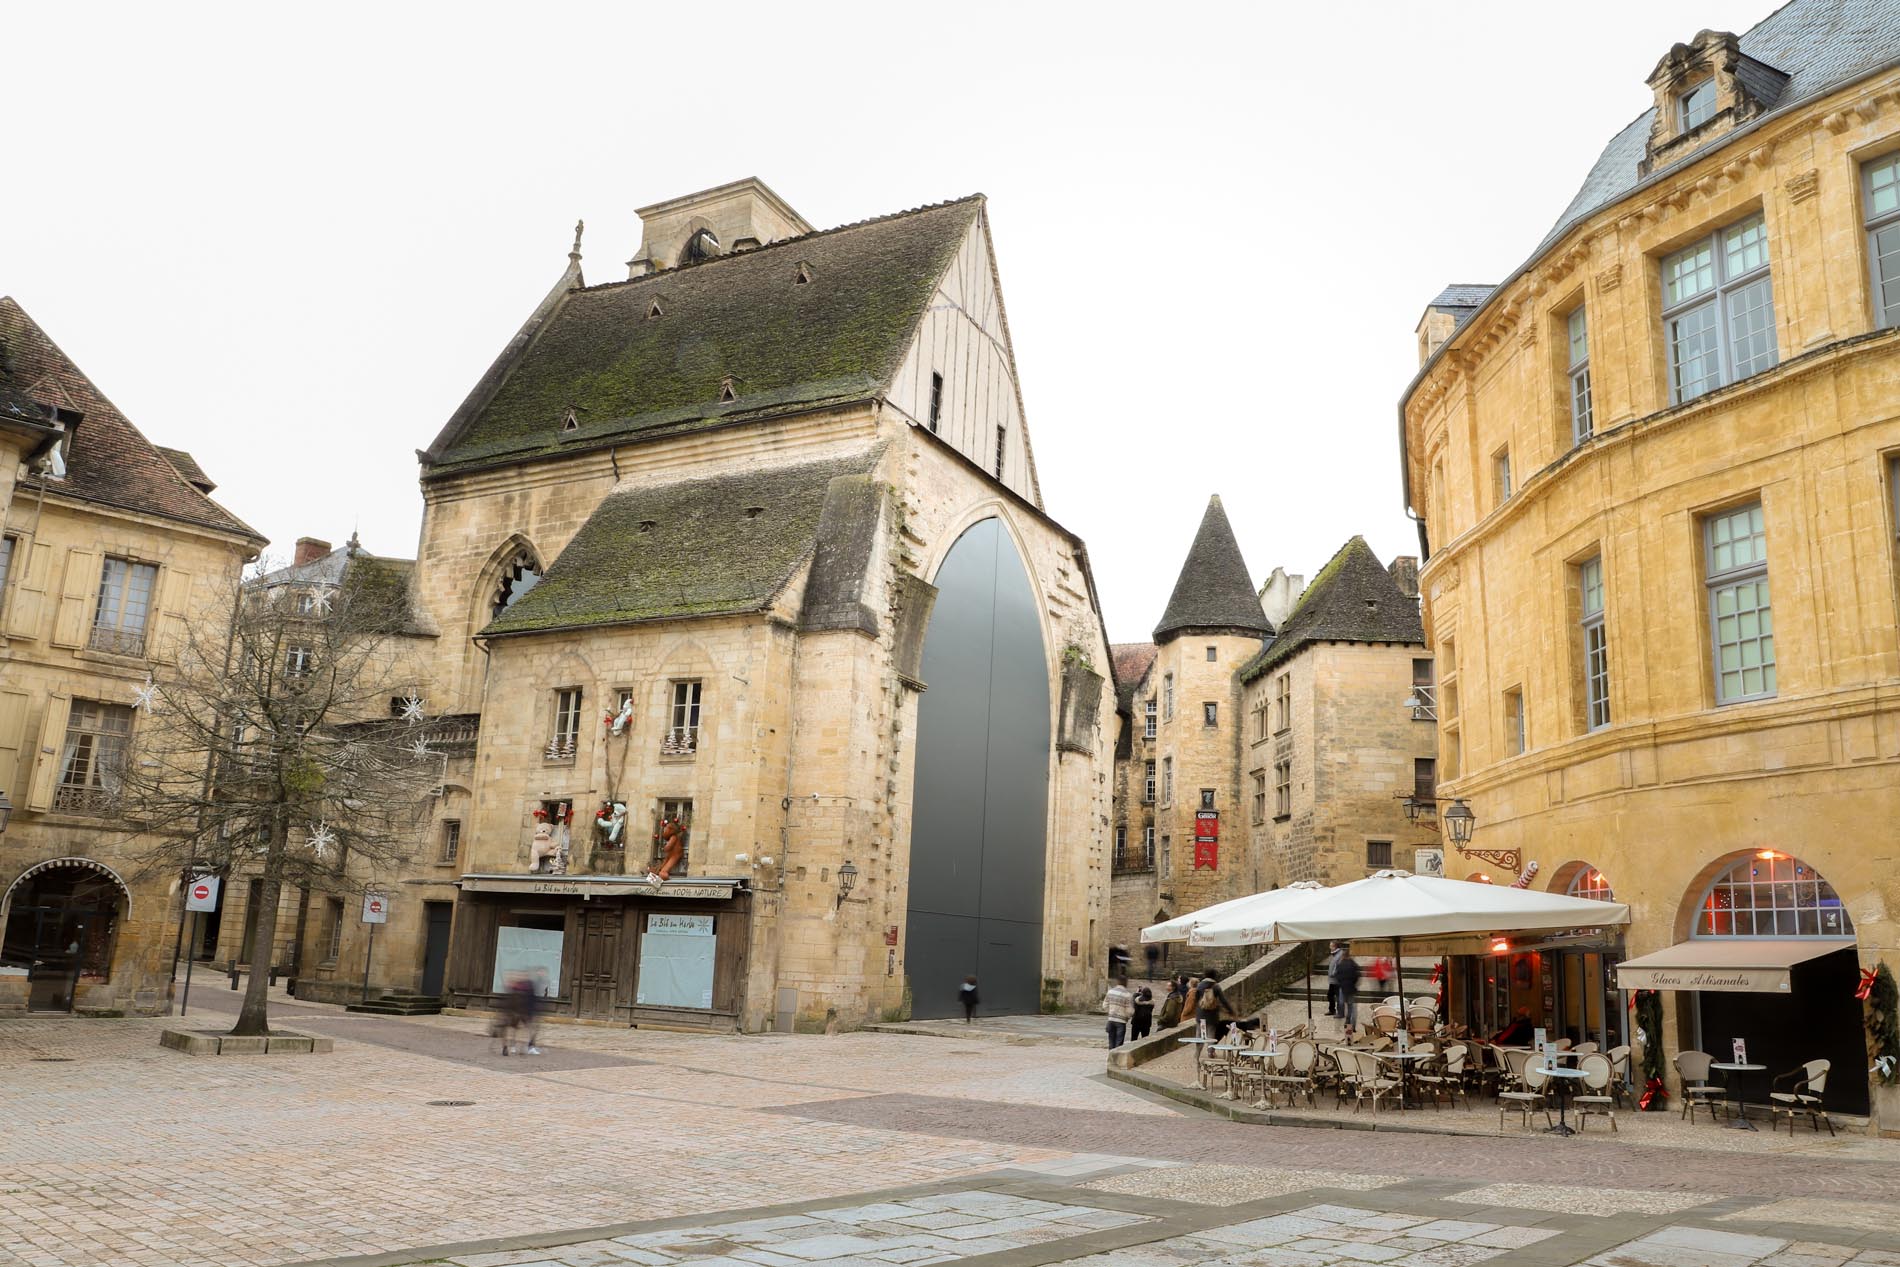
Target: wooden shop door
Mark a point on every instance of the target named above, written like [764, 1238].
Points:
[599, 982]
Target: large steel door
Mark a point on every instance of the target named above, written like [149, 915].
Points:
[435, 945]
[599, 980]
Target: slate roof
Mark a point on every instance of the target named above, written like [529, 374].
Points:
[108, 460]
[187, 466]
[1214, 590]
[1353, 599]
[1819, 44]
[738, 316]
[1131, 662]
[1462, 295]
[697, 547]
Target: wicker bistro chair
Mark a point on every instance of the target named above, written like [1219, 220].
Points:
[1697, 1091]
[1295, 1076]
[1420, 1021]
[1217, 1063]
[1584, 1049]
[1393, 1001]
[1446, 1081]
[1344, 1075]
[1598, 1098]
[1427, 1001]
[1385, 1021]
[1528, 1100]
[1484, 1068]
[1803, 1093]
[1372, 1083]
[1515, 1062]
[1620, 1069]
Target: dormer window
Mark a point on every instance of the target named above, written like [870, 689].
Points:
[726, 392]
[1696, 106]
[569, 422]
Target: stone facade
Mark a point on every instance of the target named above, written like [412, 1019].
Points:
[74, 652]
[803, 759]
[1320, 697]
[1668, 773]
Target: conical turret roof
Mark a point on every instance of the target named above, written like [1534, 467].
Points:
[1214, 591]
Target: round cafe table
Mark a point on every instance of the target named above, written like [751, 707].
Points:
[1566, 1081]
[1404, 1060]
[1733, 1080]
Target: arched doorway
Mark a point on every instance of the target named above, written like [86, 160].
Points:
[982, 786]
[1792, 920]
[62, 923]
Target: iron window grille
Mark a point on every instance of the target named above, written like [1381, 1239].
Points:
[1719, 310]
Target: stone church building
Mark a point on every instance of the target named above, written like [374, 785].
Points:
[746, 554]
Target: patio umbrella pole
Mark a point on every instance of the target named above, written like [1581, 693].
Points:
[1309, 987]
[1398, 976]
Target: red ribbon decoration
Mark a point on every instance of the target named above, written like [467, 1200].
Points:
[1867, 976]
[1654, 1093]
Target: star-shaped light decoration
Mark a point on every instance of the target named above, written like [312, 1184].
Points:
[142, 696]
[412, 708]
[320, 603]
[420, 749]
[322, 839]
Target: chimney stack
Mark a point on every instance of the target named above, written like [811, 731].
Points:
[309, 549]
[1404, 570]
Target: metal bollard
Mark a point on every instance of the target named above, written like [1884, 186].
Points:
[234, 976]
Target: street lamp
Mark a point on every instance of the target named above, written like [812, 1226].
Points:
[1459, 820]
[847, 880]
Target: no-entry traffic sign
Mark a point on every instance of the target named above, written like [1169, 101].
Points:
[375, 908]
[201, 893]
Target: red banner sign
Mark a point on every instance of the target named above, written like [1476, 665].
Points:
[1207, 824]
[1207, 855]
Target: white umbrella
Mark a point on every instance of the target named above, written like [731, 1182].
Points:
[1250, 908]
[1399, 904]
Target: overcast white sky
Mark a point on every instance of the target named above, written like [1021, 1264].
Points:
[290, 241]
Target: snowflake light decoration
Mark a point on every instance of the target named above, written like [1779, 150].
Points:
[412, 708]
[320, 603]
[322, 840]
[142, 696]
[420, 749]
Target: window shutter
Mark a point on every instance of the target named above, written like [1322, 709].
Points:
[76, 598]
[171, 619]
[26, 605]
[12, 736]
[39, 790]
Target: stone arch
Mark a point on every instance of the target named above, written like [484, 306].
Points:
[1762, 893]
[61, 918]
[979, 827]
[1577, 878]
[997, 509]
[503, 560]
[84, 864]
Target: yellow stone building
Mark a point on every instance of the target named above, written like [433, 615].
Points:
[1657, 466]
[108, 546]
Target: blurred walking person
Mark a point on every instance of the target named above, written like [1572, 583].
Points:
[1120, 1005]
[966, 995]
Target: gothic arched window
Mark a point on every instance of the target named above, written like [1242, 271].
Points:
[521, 574]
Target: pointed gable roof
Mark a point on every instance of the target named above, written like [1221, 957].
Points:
[1215, 590]
[738, 318]
[1353, 599]
[1130, 662]
[108, 460]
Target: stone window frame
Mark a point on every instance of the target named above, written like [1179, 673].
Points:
[1882, 221]
[685, 716]
[1259, 715]
[1375, 859]
[1730, 583]
[1148, 843]
[1582, 401]
[119, 631]
[450, 849]
[1213, 653]
[1516, 721]
[1210, 713]
[1282, 790]
[9, 546]
[1596, 643]
[1167, 697]
[1148, 796]
[1501, 485]
[1208, 797]
[1148, 719]
[92, 757]
[1259, 795]
[1167, 780]
[1720, 282]
[333, 930]
[1283, 702]
[564, 723]
[1695, 105]
[936, 400]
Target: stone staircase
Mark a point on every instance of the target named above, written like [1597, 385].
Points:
[1418, 981]
[400, 1005]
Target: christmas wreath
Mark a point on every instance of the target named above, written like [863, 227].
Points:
[1883, 1021]
[1649, 1020]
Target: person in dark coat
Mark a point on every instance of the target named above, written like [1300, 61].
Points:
[1172, 1005]
[1349, 991]
[1211, 1008]
[1332, 977]
[1143, 1019]
[966, 995]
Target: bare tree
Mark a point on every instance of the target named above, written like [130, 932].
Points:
[271, 749]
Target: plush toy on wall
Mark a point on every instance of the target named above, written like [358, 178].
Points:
[611, 820]
[543, 852]
[617, 723]
[672, 838]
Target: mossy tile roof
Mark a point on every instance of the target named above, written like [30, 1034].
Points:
[742, 317]
[1214, 590]
[1353, 599]
[700, 547]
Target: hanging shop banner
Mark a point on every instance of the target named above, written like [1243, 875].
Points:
[676, 961]
[1207, 824]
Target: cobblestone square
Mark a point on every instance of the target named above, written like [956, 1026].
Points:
[859, 1150]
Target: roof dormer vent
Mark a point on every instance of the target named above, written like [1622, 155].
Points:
[802, 276]
[726, 393]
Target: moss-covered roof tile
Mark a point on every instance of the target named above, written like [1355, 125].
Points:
[697, 547]
[1353, 599]
[742, 317]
